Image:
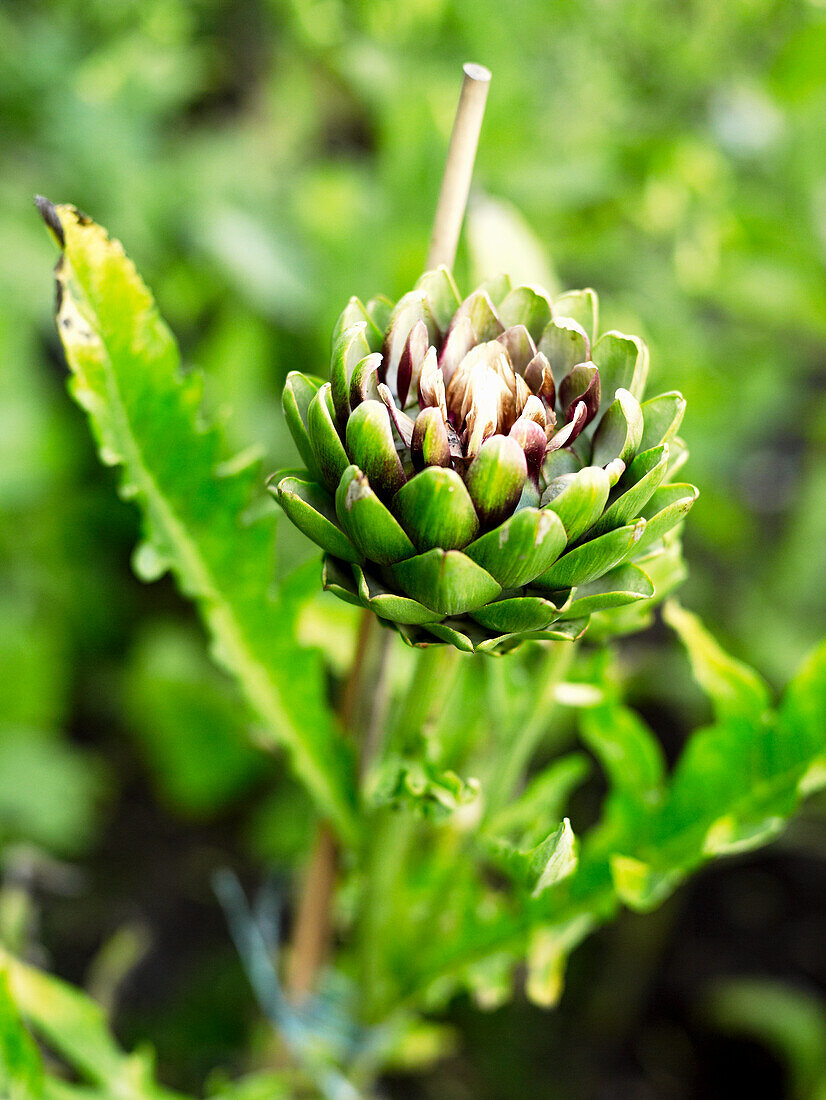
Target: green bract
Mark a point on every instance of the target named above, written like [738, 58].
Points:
[484, 471]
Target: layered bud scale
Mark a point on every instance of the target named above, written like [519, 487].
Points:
[487, 470]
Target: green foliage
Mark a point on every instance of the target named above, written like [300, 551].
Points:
[552, 860]
[734, 689]
[197, 502]
[74, 1027]
[733, 788]
[265, 161]
[736, 782]
[21, 1070]
[428, 919]
[422, 787]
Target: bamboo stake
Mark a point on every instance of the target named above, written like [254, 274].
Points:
[450, 210]
[313, 925]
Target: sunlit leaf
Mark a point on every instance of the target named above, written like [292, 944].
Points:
[147, 419]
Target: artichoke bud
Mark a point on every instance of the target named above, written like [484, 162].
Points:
[371, 446]
[531, 437]
[411, 308]
[451, 482]
[614, 469]
[577, 419]
[565, 343]
[480, 311]
[535, 410]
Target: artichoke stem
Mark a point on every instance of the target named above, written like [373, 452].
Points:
[510, 770]
[363, 705]
[312, 931]
[313, 924]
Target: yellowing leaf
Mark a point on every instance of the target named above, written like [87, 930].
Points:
[147, 418]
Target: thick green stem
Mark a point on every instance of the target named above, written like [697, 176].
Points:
[389, 834]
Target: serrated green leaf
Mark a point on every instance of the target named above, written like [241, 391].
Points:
[554, 859]
[639, 885]
[733, 788]
[147, 419]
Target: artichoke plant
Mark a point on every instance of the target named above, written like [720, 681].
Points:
[483, 471]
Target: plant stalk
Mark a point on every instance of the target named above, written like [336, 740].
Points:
[312, 930]
[510, 769]
[450, 209]
[313, 921]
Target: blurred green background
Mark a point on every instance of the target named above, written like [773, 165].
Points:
[262, 161]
